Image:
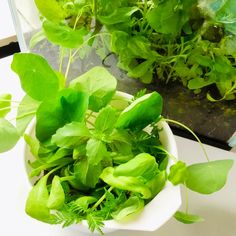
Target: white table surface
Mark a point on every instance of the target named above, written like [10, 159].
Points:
[7, 30]
[218, 209]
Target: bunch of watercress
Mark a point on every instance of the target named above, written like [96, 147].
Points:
[192, 41]
[94, 160]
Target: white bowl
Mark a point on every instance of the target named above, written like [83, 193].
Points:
[156, 212]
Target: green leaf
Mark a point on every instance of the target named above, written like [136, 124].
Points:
[141, 69]
[142, 112]
[168, 17]
[82, 203]
[37, 38]
[25, 113]
[71, 135]
[63, 35]
[37, 78]
[130, 183]
[67, 106]
[197, 83]
[57, 196]
[5, 104]
[208, 177]
[99, 84]
[87, 174]
[119, 15]
[52, 10]
[8, 135]
[178, 173]
[143, 165]
[133, 205]
[96, 151]
[33, 144]
[187, 218]
[119, 41]
[105, 120]
[36, 204]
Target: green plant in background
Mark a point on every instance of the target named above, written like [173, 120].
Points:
[95, 161]
[192, 41]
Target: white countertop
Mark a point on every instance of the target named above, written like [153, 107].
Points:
[218, 209]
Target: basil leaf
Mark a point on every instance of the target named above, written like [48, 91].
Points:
[71, 135]
[208, 177]
[187, 218]
[99, 84]
[140, 113]
[68, 105]
[36, 204]
[37, 78]
[64, 35]
[5, 104]
[129, 183]
[105, 120]
[96, 151]
[57, 196]
[8, 135]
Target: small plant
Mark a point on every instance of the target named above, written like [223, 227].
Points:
[93, 160]
[192, 41]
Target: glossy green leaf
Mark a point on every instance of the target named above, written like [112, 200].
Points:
[119, 15]
[25, 113]
[142, 112]
[68, 105]
[36, 204]
[128, 208]
[33, 144]
[96, 151]
[71, 135]
[187, 218]
[130, 183]
[57, 196]
[178, 173]
[8, 135]
[64, 35]
[37, 78]
[87, 174]
[5, 104]
[100, 85]
[208, 177]
[105, 120]
[52, 10]
[143, 165]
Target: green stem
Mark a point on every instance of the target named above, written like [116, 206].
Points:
[188, 129]
[26, 114]
[61, 59]
[69, 63]
[187, 199]
[166, 152]
[95, 8]
[102, 198]
[67, 178]
[6, 100]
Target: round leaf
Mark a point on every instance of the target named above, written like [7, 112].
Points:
[37, 78]
[8, 135]
[208, 177]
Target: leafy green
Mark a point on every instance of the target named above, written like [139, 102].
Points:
[25, 113]
[63, 35]
[67, 106]
[36, 204]
[187, 218]
[71, 135]
[132, 117]
[99, 84]
[57, 196]
[178, 173]
[8, 135]
[37, 78]
[5, 104]
[208, 177]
